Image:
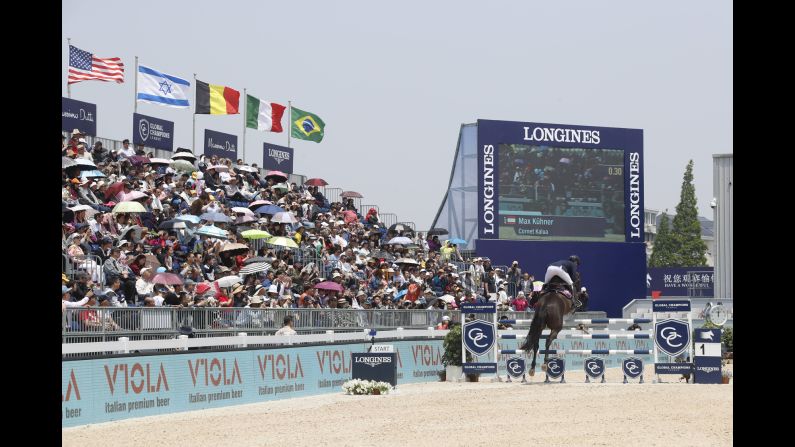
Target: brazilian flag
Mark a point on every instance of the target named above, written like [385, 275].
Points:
[306, 126]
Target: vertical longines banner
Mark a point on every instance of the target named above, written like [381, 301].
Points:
[277, 158]
[541, 181]
[78, 115]
[153, 132]
[220, 144]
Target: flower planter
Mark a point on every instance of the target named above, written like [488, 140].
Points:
[725, 379]
[453, 373]
[376, 392]
[442, 375]
[473, 377]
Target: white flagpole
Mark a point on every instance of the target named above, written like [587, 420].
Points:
[135, 93]
[68, 85]
[194, 114]
[289, 121]
[242, 155]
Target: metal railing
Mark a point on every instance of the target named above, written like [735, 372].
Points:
[388, 219]
[412, 225]
[332, 194]
[80, 325]
[90, 264]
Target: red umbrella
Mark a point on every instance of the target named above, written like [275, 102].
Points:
[329, 285]
[351, 194]
[167, 278]
[280, 174]
[316, 182]
[113, 190]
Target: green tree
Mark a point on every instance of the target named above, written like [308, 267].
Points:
[689, 249]
[663, 253]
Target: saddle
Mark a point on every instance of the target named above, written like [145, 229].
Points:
[562, 289]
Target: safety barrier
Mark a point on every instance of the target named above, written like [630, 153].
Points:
[108, 323]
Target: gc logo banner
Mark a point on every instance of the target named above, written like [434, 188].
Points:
[515, 367]
[556, 367]
[672, 336]
[479, 336]
[594, 367]
[143, 129]
[632, 367]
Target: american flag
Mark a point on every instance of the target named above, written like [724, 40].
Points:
[84, 66]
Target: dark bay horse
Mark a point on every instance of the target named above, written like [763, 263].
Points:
[552, 308]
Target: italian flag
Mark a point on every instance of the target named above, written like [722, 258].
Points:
[262, 115]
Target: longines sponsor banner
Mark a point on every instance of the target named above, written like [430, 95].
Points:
[707, 370]
[220, 144]
[381, 367]
[153, 132]
[110, 389]
[278, 158]
[594, 174]
[78, 115]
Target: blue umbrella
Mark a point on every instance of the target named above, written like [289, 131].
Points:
[189, 218]
[92, 173]
[457, 241]
[215, 217]
[212, 231]
[269, 209]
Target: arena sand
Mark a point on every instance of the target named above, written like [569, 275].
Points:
[450, 414]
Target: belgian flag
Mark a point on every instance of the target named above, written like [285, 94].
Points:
[216, 99]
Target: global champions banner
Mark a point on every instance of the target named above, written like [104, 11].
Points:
[613, 265]
[220, 144]
[278, 158]
[78, 115]
[153, 132]
[119, 388]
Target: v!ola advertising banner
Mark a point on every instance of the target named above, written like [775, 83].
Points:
[108, 389]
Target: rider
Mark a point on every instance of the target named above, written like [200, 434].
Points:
[566, 270]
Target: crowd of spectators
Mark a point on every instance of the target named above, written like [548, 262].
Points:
[186, 244]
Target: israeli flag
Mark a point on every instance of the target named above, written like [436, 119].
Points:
[160, 88]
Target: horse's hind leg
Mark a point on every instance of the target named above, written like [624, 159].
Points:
[552, 336]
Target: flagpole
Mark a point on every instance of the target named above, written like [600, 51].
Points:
[194, 116]
[135, 93]
[68, 85]
[245, 106]
[289, 120]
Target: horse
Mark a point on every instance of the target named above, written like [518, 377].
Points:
[553, 306]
